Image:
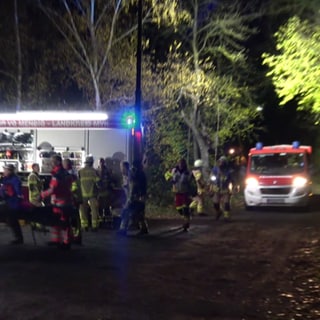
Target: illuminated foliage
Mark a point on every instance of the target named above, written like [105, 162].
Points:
[202, 84]
[295, 67]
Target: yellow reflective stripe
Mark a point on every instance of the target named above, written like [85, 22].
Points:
[168, 175]
[181, 207]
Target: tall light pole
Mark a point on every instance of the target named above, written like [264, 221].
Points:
[137, 139]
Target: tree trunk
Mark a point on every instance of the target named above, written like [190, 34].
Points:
[97, 94]
[199, 140]
[204, 150]
[19, 56]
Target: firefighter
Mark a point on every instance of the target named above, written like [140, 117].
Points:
[89, 184]
[11, 193]
[35, 186]
[198, 201]
[77, 199]
[135, 208]
[221, 188]
[75, 187]
[181, 180]
[61, 199]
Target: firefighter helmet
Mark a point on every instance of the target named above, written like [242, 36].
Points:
[10, 167]
[223, 159]
[198, 163]
[89, 160]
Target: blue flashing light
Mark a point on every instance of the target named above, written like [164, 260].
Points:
[295, 144]
[259, 145]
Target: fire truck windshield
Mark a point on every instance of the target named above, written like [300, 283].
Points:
[277, 163]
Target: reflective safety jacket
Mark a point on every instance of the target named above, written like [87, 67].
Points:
[221, 179]
[181, 180]
[89, 182]
[59, 187]
[198, 176]
[35, 186]
[75, 187]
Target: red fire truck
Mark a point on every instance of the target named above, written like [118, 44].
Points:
[278, 175]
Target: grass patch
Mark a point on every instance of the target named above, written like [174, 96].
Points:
[156, 211]
[161, 212]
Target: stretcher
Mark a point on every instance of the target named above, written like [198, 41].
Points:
[114, 206]
[41, 218]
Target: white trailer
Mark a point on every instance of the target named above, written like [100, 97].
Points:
[29, 137]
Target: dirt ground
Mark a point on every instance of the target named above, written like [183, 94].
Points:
[262, 265]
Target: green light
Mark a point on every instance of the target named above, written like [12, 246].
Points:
[128, 120]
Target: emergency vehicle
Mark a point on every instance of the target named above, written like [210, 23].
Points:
[278, 175]
[29, 137]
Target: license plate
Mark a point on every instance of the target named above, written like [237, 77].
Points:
[275, 200]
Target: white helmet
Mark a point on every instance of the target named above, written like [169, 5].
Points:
[223, 159]
[198, 163]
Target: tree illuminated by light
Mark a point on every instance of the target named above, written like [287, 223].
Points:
[295, 67]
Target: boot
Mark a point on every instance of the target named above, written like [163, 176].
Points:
[143, 228]
[226, 216]
[186, 224]
[218, 214]
[16, 230]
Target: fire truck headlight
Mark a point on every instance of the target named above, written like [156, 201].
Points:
[299, 182]
[252, 182]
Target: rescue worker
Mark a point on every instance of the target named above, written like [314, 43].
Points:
[181, 180]
[35, 186]
[89, 183]
[135, 208]
[61, 199]
[221, 188]
[75, 187]
[77, 198]
[198, 201]
[11, 193]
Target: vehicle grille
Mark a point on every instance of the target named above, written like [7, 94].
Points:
[275, 190]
